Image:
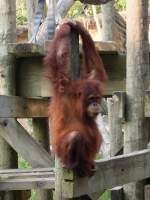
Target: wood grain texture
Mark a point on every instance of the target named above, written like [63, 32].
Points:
[122, 169]
[25, 179]
[19, 107]
[24, 144]
[138, 73]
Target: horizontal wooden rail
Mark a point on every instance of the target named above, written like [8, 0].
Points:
[18, 179]
[19, 107]
[110, 173]
[30, 49]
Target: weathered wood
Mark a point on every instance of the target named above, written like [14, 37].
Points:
[117, 193]
[29, 173]
[147, 192]
[19, 107]
[31, 80]
[8, 157]
[24, 144]
[122, 169]
[18, 179]
[31, 8]
[136, 127]
[108, 21]
[147, 104]
[25, 50]
[41, 135]
[115, 125]
[105, 47]
[26, 184]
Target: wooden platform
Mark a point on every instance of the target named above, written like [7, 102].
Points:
[30, 76]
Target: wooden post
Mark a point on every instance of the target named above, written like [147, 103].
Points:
[136, 132]
[147, 192]
[108, 21]
[117, 193]
[40, 133]
[31, 8]
[115, 118]
[8, 157]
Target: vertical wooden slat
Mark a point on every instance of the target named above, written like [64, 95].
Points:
[147, 192]
[117, 193]
[115, 117]
[40, 133]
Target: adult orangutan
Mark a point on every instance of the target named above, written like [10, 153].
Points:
[76, 103]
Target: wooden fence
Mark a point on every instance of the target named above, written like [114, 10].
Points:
[31, 103]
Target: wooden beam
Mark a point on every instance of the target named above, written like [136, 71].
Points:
[147, 104]
[147, 192]
[19, 107]
[19, 179]
[26, 184]
[24, 144]
[122, 169]
[25, 50]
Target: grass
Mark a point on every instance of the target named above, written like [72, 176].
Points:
[105, 196]
[22, 164]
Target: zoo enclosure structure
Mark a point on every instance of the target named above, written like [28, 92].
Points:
[31, 102]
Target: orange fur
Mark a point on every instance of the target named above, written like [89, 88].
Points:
[76, 138]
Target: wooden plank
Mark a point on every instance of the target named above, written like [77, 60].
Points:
[30, 174]
[8, 157]
[27, 184]
[147, 104]
[32, 170]
[106, 47]
[31, 79]
[19, 107]
[25, 49]
[122, 169]
[147, 192]
[115, 125]
[24, 144]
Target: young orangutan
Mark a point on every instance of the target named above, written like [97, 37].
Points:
[76, 103]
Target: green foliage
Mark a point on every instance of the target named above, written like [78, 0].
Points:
[76, 10]
[105, 196]
[22, 164]
[120, 4]
[21, 12]
[21, 20]
[33, 195]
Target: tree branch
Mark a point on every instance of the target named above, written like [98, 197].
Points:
[95, 2]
